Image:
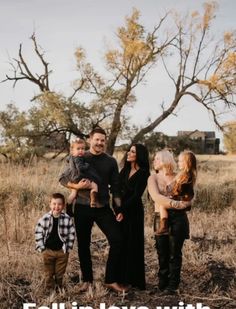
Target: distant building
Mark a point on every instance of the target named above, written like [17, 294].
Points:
[206, 141]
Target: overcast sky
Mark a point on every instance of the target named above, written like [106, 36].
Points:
[63, 25]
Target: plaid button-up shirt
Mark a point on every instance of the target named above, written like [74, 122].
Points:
[66, 231]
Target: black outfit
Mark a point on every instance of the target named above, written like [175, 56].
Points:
[84, 217]
[133, 267]
[184, 193]
[77, 169]
[169, 247]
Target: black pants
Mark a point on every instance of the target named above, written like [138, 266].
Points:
[84, 217]
[169, 249]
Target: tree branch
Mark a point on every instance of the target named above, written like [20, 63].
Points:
[23, 72]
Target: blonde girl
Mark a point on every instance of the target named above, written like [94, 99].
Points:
[181, 189]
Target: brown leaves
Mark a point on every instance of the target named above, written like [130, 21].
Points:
[210, 8]
[223, 80]
[135, 48]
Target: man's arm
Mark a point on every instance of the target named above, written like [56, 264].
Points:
[81, 185]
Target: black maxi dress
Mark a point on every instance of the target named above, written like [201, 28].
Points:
[133, 265]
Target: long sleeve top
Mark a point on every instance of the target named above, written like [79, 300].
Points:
[107, 169]
[76, 169]
[66, 231]
[164, 197]
[132, 190]
[157, 196]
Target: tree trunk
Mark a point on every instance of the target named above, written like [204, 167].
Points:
[115, 129]
[157, 121]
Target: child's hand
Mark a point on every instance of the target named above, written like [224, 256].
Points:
[185, 204]
[84, 184]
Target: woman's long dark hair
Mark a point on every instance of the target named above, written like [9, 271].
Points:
[142, 158]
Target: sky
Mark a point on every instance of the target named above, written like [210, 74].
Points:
[63, 25]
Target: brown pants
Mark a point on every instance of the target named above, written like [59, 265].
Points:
[55, 263]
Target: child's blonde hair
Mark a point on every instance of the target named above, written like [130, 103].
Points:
[77, 142]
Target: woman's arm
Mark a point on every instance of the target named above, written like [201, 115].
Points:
[160, 199]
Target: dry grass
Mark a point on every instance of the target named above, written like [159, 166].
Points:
[209, 256]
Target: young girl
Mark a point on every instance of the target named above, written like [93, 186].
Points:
[181, 189]
[79, 169]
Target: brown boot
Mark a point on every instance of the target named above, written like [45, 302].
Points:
[93, 199]
[163, 228]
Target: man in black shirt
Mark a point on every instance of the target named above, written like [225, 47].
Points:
[84, 216]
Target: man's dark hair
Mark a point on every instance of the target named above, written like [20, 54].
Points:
[97, 130]
[60, 196]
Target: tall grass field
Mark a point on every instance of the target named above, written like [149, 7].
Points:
[209, 257]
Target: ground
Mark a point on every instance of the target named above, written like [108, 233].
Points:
[209, 265]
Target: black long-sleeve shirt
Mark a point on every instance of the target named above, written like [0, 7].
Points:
[107, 169]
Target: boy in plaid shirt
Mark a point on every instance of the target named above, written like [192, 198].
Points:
[54, 235]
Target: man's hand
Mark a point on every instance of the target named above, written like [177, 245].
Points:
[119, 217]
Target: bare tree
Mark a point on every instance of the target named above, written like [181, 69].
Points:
[205, 70]
[22, 71]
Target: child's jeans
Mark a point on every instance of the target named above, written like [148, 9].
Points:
[55, 262]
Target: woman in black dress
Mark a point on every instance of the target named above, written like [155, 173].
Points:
[133, 180]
